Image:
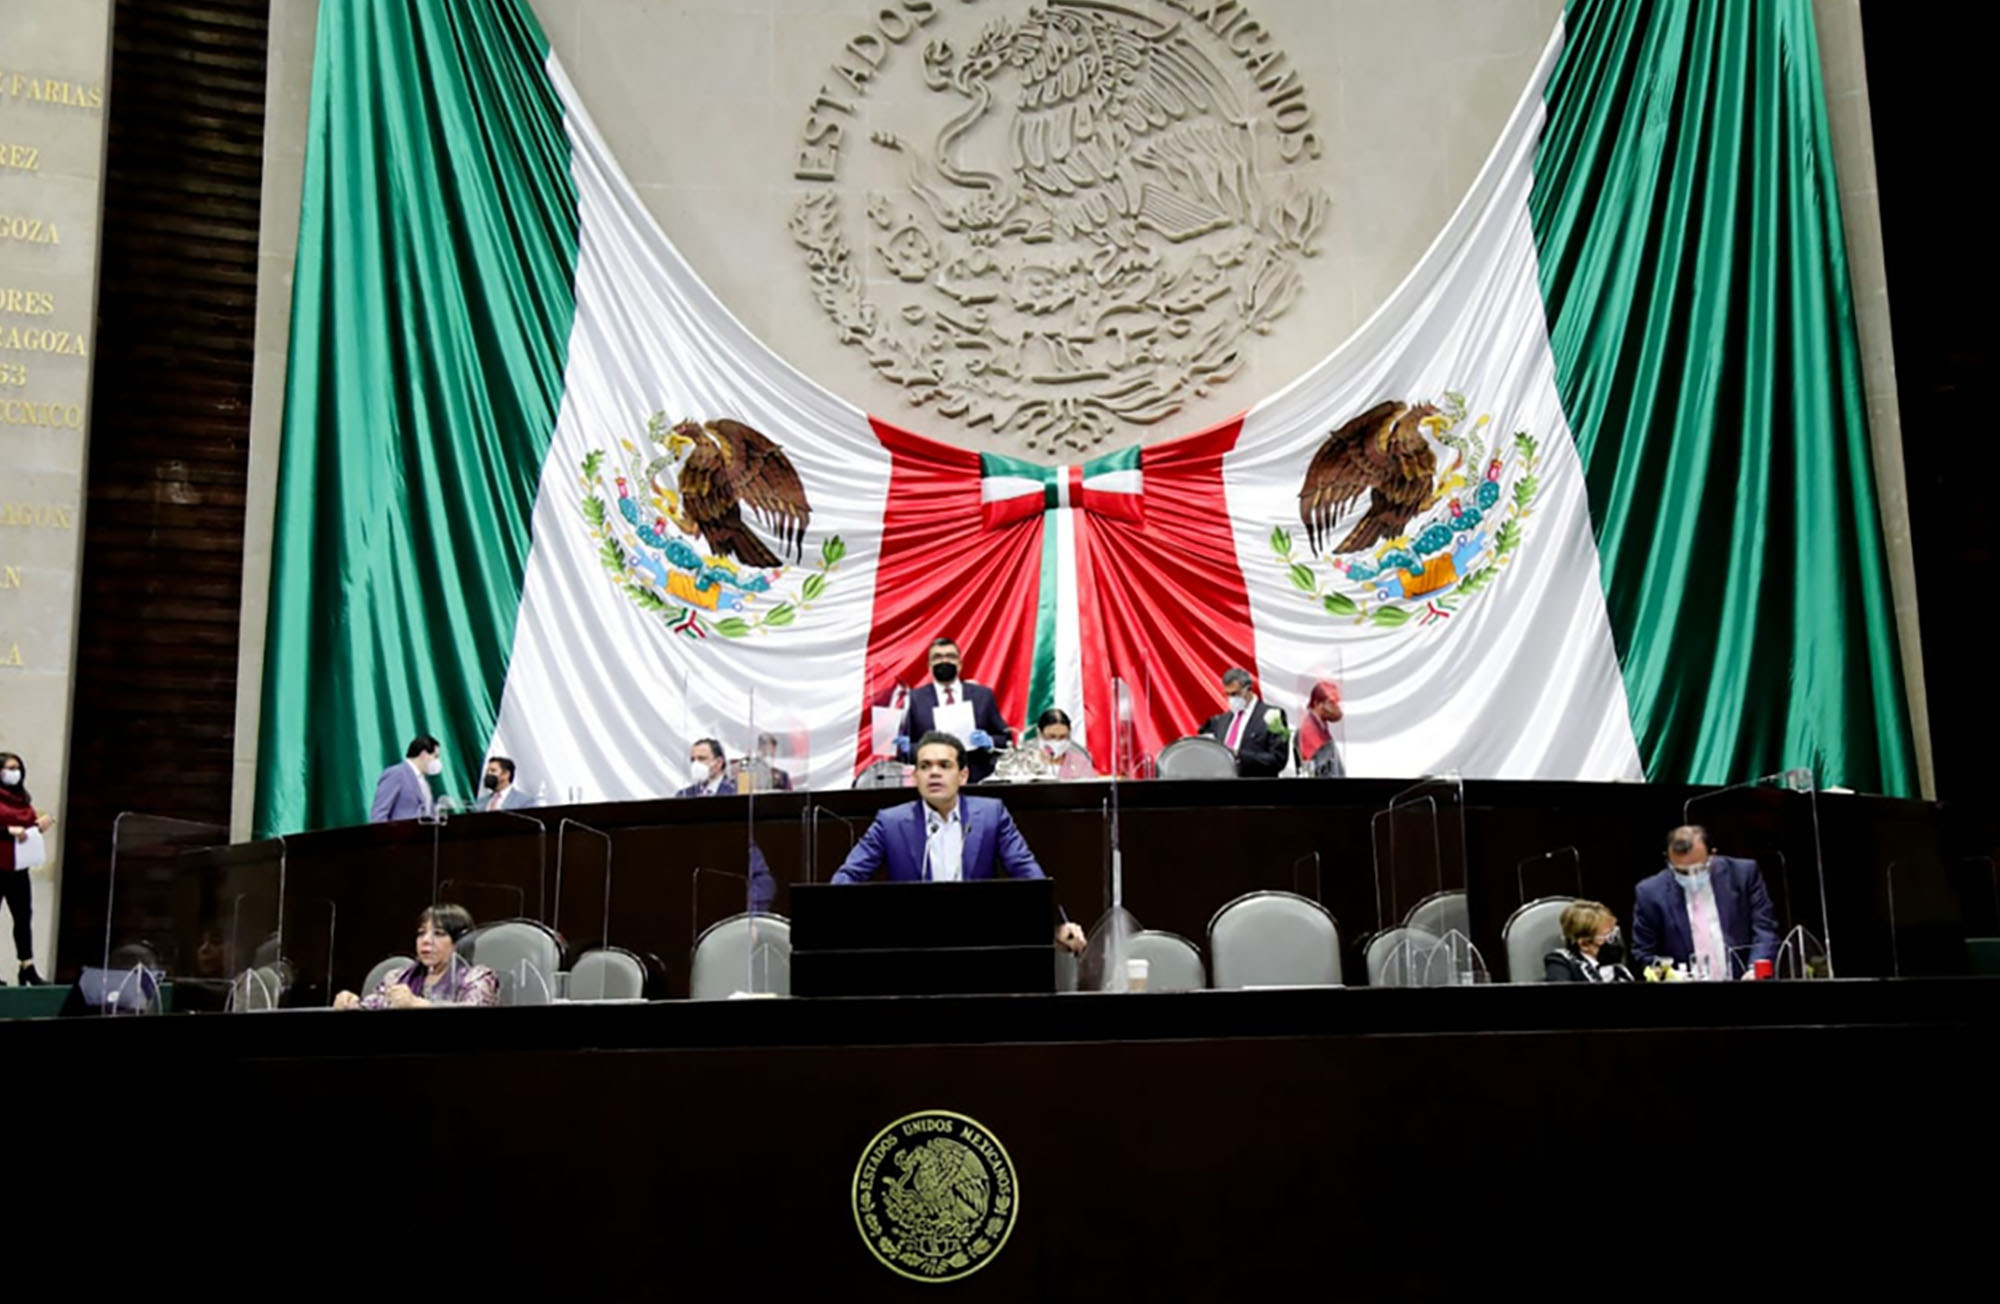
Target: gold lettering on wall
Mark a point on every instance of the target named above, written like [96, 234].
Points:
[47, 416]
[10, 577]
[20, 158]
[51, 90]
[37, 516]
[26, 303]
[10, 656]
[32, 339]
[13, 374]
[28, 230]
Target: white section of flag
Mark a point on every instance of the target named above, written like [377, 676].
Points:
[602, 697]
[1522, 681]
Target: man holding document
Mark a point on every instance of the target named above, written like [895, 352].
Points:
[956, 706]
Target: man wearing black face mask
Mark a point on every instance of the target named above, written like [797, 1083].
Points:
[949, 694]
[1592, 949]
[498, 791]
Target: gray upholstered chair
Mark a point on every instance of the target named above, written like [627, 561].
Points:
[884, 774]
[607, 974]
[524, 954]
[1529, 934]
[742, 953]
[382, 972]
[1407, 957]
[1195, 757]
[1274, 939]
[1173, 964]
[1441, 913]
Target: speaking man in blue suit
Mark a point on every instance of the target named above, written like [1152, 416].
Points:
[945, 838]
[404, 790]
[1702, 906]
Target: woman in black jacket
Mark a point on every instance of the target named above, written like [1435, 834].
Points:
[1592, 951]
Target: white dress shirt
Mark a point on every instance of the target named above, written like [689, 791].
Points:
[944, 844]
[423, 784]
[1705, 927]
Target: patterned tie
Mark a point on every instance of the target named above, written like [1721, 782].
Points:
[948, 698]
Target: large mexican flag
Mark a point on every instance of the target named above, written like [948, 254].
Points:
[1589, 496]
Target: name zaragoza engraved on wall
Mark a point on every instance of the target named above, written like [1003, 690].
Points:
[1095, 208]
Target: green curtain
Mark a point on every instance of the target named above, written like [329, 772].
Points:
[431, 313]
[1695, 277]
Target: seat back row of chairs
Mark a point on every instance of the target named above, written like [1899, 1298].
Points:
[1261, 939]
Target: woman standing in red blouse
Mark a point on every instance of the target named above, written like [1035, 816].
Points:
[17, 816]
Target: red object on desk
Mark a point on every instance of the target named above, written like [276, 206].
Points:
[1762, 969]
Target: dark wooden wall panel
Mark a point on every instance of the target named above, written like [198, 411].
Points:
[155, 712]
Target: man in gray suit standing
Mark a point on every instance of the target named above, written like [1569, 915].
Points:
[404, 790]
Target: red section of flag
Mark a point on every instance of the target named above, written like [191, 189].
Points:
[943, 572]
[1161, 599]
[1163, 602]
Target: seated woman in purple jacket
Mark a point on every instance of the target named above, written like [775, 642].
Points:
[438, 977]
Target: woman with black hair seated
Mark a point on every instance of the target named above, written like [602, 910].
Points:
[438, 977]
[1592, 951]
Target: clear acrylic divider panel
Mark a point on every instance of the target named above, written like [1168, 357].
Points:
[236, 897]
[1129, 757]
[887, 697]
[1420, 886]
[770, 827]
[581, 895]
[1774, 820]
[1105, 965]
[152, 934]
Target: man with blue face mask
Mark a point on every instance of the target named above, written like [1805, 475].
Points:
[1704, 911]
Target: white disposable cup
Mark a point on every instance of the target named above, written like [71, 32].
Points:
[1136, 970]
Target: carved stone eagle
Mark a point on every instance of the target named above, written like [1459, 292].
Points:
[725, 466]
[1381, 453]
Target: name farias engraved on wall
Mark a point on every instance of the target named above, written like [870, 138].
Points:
[1095, 208]
[58, 91]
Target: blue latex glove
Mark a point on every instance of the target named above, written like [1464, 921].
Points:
[902, 744]
[979, 740]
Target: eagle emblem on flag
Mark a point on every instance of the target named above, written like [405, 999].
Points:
[1443, 511]
[668, 520]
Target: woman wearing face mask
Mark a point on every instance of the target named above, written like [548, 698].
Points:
[438, 977]
[1592, 949]
[1059, 749]
[17, 816]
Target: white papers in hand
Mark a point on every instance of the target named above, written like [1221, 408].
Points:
[955, 720]
[32, 854]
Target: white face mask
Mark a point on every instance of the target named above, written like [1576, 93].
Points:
[1238, 704]
[1691, 877]
[434, 767]
[699, 774]
[1056, 746]
[10, 776]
